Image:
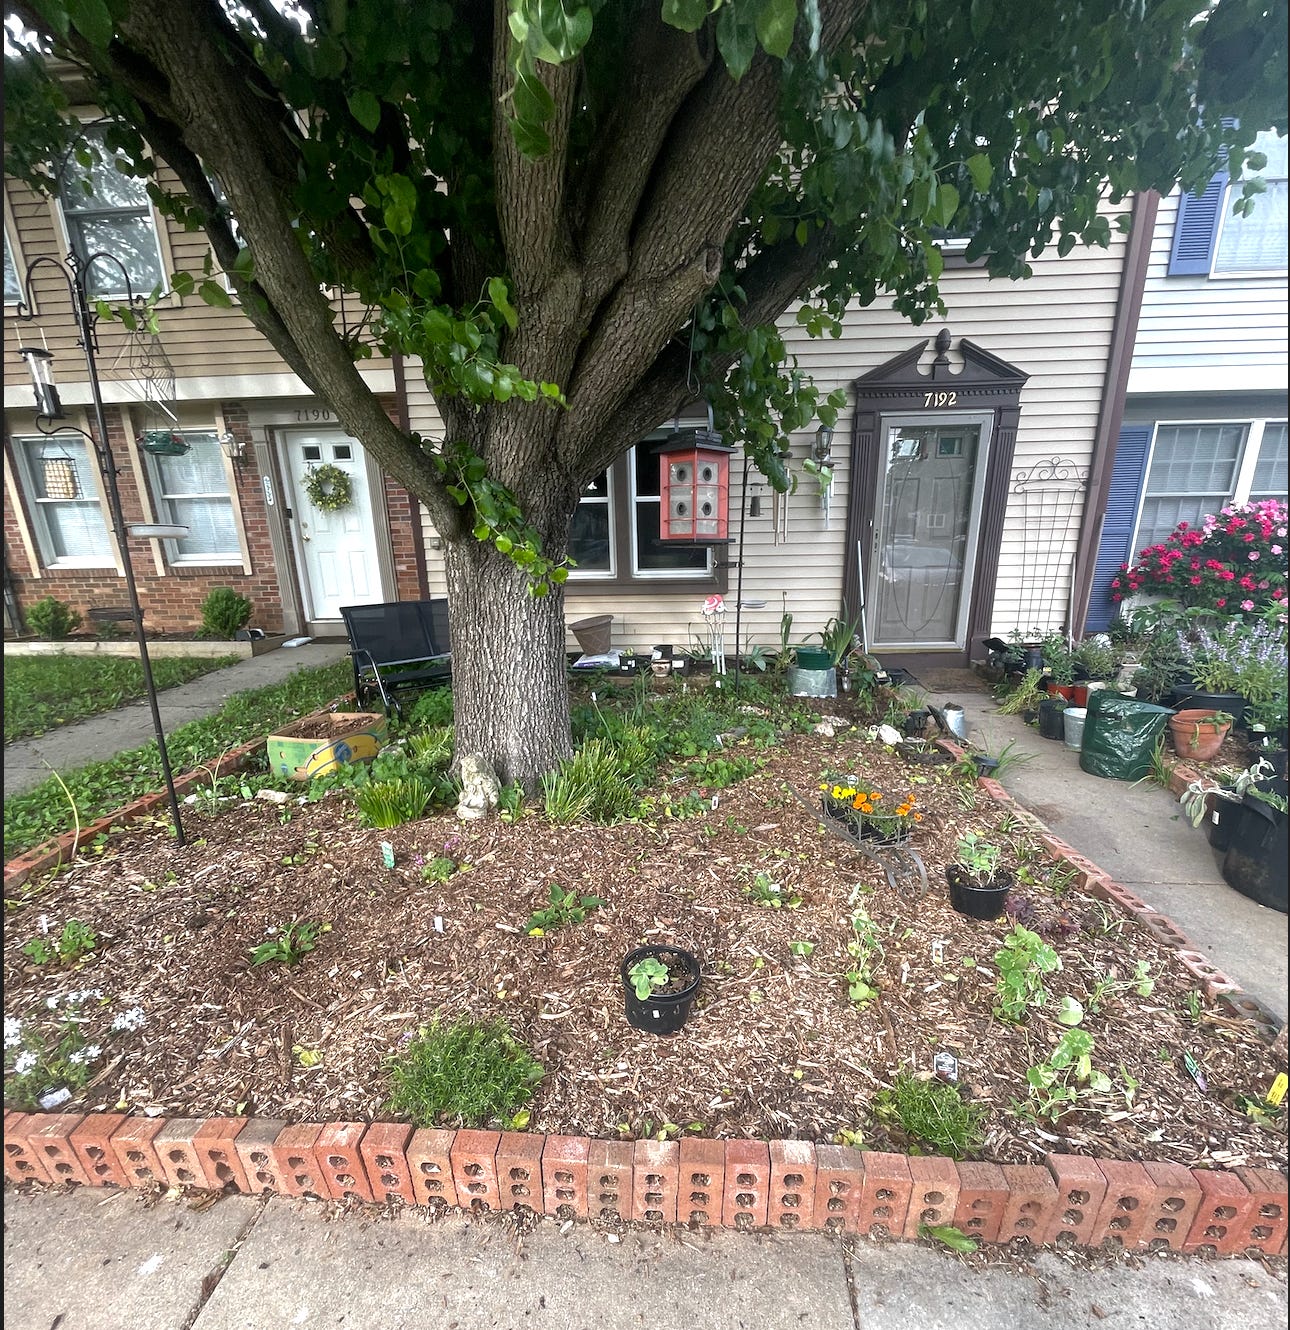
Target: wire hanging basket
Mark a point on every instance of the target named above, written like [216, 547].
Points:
[164, 443]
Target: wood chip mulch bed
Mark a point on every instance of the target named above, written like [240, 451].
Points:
[774, 1048]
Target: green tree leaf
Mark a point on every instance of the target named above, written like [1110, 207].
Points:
[365, 108]
[92, 20]
[736, 39]
[214, 294]
[688, 15]
[981, 169]
[775, 22]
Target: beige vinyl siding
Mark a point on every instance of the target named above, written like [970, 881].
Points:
[201, 341]
[1198, 333]
[1056, 327]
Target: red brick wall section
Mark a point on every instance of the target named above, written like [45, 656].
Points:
[1072, 1200]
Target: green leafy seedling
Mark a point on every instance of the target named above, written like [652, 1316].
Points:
[647, 975]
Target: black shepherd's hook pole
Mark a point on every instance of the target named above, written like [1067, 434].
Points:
[739, 575]
[75, 273]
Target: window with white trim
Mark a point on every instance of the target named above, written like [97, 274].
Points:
[1256, 243]
[192, 490]
[1196, 469]
[615, 534]
[12, 282]
[110, 212]
[63, 502]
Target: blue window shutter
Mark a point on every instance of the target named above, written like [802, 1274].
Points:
[1127, 477]
[1197, 229]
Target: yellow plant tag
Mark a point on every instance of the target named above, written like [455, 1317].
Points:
[1278, 1091]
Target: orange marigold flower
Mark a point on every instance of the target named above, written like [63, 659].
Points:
[918, 817]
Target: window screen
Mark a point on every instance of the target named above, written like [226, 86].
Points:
[192, 491]
[1193, 469]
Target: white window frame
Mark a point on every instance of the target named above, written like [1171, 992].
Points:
[610, 573]
[162, 501]
[40, 532]
[70, 230]
[1243, 474]
[14, 248]
[1226, 218]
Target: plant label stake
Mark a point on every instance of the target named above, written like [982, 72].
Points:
[438, 923]
[1278, 1091]
[54, 1098]
[938, 951]
[1194, 1071]
[387, 854]
[946, 1066]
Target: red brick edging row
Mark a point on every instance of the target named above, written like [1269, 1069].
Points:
[738, 1184]
[731, 1184]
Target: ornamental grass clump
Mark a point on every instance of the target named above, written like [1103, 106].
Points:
[1234, 562]
[869, 812]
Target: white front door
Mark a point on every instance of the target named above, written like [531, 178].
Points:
[336, 551]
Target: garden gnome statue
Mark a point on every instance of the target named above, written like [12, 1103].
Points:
[479, 788]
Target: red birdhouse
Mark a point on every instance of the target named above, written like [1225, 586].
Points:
[694, 484]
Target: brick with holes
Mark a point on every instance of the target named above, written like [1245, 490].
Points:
[474, 1169]
[340, 1161]
[702, 1184]
[519, 1171]
[1126, 1210]
[132, 1145]
[218, 1155]
[1223, 1216]
[564, 1176]
[884, 1197]
[177, 1153]
[656, 1169]
[1266, 1229]
[254, 1148]
[295, 1161]
[429, 1155]
[983, 1192]
[791, 1203]
[1173, 1206]
[1081, 1189]
[934, 1192]
[1031, 1205]
[21, 1162]
[383, 1150]
[50, 1139]
[747, 1194]
[610, 1169]
[92, 1141]
[839, 1181]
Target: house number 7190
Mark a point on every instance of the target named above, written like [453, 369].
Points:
[940, 399]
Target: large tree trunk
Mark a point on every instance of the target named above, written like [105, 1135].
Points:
[510, 685]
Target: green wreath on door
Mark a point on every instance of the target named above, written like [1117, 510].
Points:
[328, 488]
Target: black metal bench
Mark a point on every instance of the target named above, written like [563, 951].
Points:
[398, 645]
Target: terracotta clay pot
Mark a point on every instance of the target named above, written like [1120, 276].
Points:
[1196, 735]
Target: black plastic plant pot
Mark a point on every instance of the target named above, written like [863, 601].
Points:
[1051, 725]
[1192, 699]
[969, 898]
[1256, 860]
[985, 766]
[1220, 823]
[915, 724]
[667, 1008]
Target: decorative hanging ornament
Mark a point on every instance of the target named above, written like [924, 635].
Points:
[328, 488]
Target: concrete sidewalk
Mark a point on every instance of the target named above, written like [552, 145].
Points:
[90, 1260]
[28, 762]
[1135, 832]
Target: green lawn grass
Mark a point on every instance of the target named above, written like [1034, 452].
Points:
[43, 692]
[101, 787]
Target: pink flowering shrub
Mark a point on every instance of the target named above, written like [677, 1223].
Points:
[1234, 563]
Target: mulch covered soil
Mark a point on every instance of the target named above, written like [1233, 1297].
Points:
[774, 1047]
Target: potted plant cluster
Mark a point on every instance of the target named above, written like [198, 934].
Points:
[866, 813]
[1198, 733]
[660, 983]
[978, 884]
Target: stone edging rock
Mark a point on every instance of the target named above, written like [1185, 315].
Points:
[739, 1184]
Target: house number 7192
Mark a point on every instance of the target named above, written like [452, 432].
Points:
[940, 399]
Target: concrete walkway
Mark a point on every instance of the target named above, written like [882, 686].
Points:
[90, 1260]
[1135, 832]
[28, 762]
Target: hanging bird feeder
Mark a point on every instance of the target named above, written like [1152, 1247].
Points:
[694, 484]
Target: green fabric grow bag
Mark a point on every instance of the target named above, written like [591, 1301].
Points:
[1120, 735]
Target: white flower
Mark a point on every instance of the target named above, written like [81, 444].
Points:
[52, 1003]
[24, 1062]
[76, 1058]
[92, 1053]
[134, 1019]
[12, 1032]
